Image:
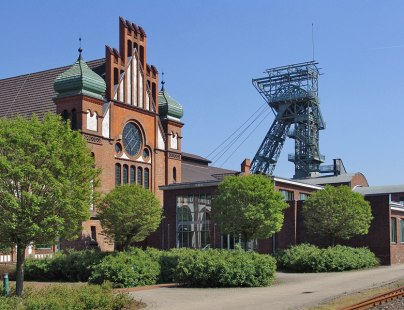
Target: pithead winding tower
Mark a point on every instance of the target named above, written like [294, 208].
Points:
[292, 93]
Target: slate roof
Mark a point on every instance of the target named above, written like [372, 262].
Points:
[32, 93]
[342, 178]
[195, 158]
[374, 190]
[198, 173]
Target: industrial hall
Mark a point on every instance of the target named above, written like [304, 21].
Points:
[133, 128]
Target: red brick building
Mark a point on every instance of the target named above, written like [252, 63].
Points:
[132, 129]
[386, 233]
[134, 133]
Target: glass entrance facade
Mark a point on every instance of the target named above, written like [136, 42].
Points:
[193, 221]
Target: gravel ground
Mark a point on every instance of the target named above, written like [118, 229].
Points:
[397, 304]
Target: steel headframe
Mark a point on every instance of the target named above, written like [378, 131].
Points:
[292, 93]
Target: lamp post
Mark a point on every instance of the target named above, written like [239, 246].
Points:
[6, 285]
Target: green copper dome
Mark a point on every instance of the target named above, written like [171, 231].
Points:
[168, 107]
[79, 79]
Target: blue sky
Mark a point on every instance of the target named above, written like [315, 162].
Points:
[211, 50]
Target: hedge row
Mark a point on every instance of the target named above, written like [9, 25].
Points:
[74, 297]
[76, 266]
[211, 268]
[309, 258]
[188, 267]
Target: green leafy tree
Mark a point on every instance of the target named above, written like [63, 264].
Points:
[47, 177]
[129, 213]
[337, 213]
[248, 205]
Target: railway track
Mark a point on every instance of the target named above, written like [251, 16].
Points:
[378, 300]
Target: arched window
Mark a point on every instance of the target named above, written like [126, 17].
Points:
[116, 76]
[154, 92]
[132, 174]
[74, 119]
[174, 141]
[139, 175]
[146, 178]
[175, 175]
[142, 55]
[117, 174]
[129, 45]
[125, 174]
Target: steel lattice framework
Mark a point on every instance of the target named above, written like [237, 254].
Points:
[292, 93]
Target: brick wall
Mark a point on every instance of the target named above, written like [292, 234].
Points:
[397, 249]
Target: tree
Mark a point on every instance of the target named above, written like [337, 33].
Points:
[337, 213]
[47, 177]
[129, 213]
[248, 205]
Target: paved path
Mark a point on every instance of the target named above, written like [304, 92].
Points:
[290, 291]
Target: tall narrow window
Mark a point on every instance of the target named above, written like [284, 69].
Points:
[116, 76]
[393, 230]
[117, 174]
[402, 230]
[141, 55]
[93, 233]
[154, 92]
[132, 174]
[175, 175]
[139, 175]
[125, 174]
[129, 45]
[146, 178]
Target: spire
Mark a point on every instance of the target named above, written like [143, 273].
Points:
[80, 50]
[162, 81]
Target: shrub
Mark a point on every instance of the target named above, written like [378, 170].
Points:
[309, 258]
[340, 258]
[75, 297]
[222, 268]
[300, 258]
[73, 266]
[127, 269]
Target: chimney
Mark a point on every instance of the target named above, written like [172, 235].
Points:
[245, 166]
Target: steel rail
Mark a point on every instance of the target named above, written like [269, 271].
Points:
[378, 300]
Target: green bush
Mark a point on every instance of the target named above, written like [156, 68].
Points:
[71, 267]
[127, 269]
[77, 297]
[211, 268]
[309, 258]
[300, 258]
[222, 268]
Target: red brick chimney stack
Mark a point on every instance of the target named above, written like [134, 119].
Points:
[245, 166]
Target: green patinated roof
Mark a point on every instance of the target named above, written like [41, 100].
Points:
[168, 107]
[79, 79]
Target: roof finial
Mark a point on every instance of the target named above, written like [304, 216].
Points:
[162, 81]
[80, 49]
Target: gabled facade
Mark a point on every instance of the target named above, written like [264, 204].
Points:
[119, 117]
[114, 102]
